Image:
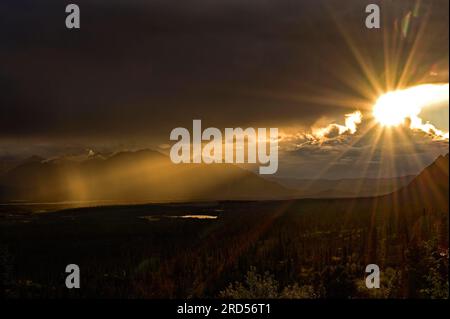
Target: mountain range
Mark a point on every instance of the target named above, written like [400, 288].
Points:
[143, 175]
[147, 175]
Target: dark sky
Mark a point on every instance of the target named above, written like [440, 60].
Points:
[136, 69]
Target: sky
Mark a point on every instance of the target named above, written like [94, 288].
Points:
[137, 69]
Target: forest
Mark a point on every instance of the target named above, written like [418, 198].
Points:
[305, 248]
[252, 250]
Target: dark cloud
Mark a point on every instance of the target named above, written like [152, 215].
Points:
[137, 68]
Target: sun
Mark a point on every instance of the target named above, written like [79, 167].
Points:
[393, 108]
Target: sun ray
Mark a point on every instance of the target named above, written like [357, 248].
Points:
[361, 59]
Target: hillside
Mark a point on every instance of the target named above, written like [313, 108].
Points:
[132, 176]
[343, 188]
[429, 190]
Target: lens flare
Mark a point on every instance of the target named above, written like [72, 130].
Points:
[394, 108]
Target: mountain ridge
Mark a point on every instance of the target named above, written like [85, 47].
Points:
[130, 176]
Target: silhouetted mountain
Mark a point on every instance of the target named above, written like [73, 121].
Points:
[8, 162]
[150, 176]
[32, 159]
[133, 176]
[430, 188]
[343, 188]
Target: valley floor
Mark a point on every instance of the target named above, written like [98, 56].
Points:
[241, 249]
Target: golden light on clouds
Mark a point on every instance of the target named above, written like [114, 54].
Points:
[405, 106]
[351, 122]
